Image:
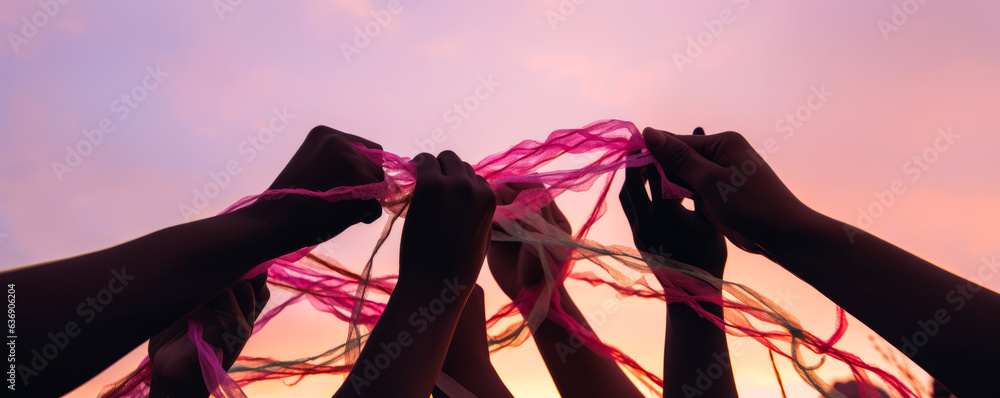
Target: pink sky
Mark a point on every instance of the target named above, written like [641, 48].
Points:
[889, 92]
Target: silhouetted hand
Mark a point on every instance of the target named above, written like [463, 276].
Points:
[228, 322]
[448, 222]
[666, 228]
[745, 200]
[735, 188]
[512, 264]
[441, 252]
[150, 301]
[582, 372]
[325, 160]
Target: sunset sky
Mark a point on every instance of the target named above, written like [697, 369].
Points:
[848, 97]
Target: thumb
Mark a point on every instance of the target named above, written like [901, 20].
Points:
[681, 160]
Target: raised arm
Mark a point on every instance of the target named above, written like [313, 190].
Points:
[441, 252]
[77, 316]
[468, 360]
[693, 346]
[945, 323]
[576, 370]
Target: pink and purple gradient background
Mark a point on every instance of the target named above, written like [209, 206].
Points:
[940, 69]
